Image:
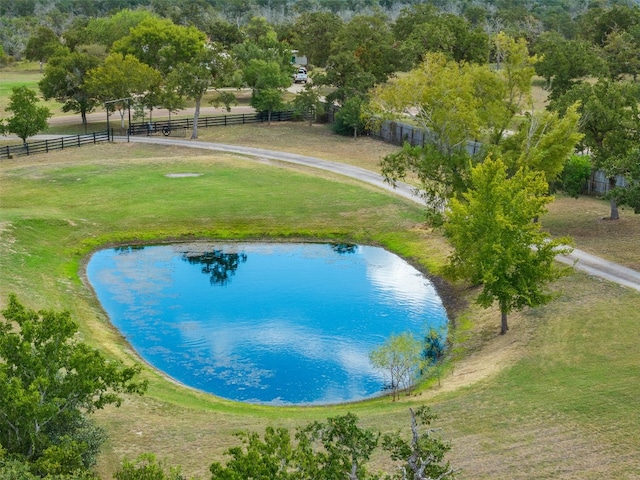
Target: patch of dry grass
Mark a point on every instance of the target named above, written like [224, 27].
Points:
[585, 219]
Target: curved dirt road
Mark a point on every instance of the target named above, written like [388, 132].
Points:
[580, 260]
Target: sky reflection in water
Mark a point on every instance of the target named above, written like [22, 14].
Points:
[264, 323]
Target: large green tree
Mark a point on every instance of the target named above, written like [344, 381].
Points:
[64, 80]
[212, 67]
[42, 45]
[496, 242]
[28, 117]
[267, 81]
[161, 44]
[611, 127]
[49, 382]
[121, 77]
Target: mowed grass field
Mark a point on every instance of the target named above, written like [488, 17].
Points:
[556, 398]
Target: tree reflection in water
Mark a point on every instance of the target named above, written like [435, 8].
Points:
[343, 248]
[218, 265]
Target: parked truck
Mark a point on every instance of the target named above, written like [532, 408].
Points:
[300, 76]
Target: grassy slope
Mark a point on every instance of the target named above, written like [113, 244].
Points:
[555, 398]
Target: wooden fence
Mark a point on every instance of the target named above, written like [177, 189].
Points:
[169, 127]
[59, 143]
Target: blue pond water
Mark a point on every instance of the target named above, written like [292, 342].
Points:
[265, 323]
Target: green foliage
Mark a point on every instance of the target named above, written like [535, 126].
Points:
[575, 174]
[331, 450]
[338, 448]
[147, 467]
[42, 44]
[307, 102]
[441, 176]
[496, 242]
[349, 119]
[611, 127]
[400, 357]
[543, 142]
[314, 32]
[161, 44]
[49, 382]
[421, 458]
[28, 117]
[225, 98]
[64, 80]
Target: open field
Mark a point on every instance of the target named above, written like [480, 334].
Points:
[554, 398]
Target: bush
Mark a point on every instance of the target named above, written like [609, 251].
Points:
[575, 174]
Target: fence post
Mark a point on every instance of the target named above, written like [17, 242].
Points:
[46, 146]
[61, 143]
[78, 140]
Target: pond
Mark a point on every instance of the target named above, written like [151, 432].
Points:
[269, 323]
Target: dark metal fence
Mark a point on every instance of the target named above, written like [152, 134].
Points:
[399, 133]
[59, 143]
[168, 127]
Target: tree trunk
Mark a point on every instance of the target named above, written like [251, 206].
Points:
[504, 325]
[196, 115]
[614, 201]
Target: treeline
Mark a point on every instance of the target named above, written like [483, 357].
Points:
[19, 19]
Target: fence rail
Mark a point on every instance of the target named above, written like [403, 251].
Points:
[168, 127]
[59, 143]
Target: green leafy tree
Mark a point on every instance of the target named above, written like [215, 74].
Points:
[28, 117]
[338, 448]
[42, 45]
[543, 142]
[50, 381]
[400, 357]
[64, 80]
[314, 32]
[307, 102]
[563, 63]
[611, 127]
[361, 55]
[622, 54]
[350, 118]
[147, 467]
[421, 458]
[121, 77]
[575, 174]
[209, 68]
[496, 242]
[107, 30]
[331, 450]
[268, 81]
[161, 44]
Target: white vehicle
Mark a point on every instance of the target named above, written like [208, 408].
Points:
[300, 76]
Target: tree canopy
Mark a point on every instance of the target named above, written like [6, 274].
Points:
[28, 117]
[49, 382]
[496, 242]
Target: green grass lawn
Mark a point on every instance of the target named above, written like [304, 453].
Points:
[555, 398]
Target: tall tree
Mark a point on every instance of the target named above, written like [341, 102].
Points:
[161, 44]
[42, 45]
[611, 127]
[210, 68]
[50, 381]
[496, 242]
[28, 117]
[314, 32]
[267, 81]
[64, 80]
[121, 77]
